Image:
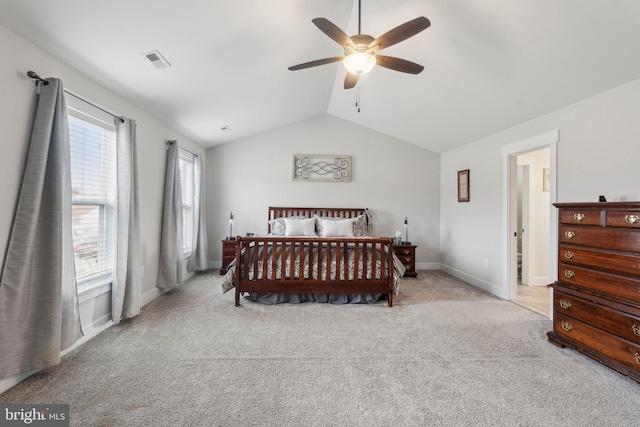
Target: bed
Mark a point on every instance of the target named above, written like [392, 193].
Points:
[315, 255]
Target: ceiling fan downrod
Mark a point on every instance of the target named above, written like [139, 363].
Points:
[359, 16]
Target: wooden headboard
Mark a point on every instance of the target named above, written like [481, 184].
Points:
[280, 212]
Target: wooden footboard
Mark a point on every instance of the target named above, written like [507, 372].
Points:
[314, 265]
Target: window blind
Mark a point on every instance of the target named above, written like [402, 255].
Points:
[93, 181]
[185, 161]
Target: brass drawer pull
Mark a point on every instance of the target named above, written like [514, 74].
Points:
[568, 254]
[631, 219]
[568, 326]
[566, 304]
[636, 330]
[637, 356]
[569, 274]
[569, 234]
[578, 217]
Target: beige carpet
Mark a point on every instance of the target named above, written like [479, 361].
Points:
[446, 355]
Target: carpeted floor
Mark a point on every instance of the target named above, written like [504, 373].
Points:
[447, 354]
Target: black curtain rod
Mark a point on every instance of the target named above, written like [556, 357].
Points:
[39, 79]
[188, 151]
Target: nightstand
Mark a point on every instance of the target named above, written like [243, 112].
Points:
[228, 254]
[407, 255]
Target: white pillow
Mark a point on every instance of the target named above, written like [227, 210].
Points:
[359, 225]
[341, 228]
[277, 226]
[300, 227]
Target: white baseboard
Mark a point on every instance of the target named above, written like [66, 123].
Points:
[427, 266]
[541, 281]
[154, 293]
[90, 331]
[475, 281]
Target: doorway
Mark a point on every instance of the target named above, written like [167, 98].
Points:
[532, 231]
[530, 221]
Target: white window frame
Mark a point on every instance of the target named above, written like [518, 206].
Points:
[77, 109]
[187, 181]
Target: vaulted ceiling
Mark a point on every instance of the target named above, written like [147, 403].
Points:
[488, 64]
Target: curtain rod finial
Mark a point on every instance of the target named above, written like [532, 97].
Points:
[34, 75]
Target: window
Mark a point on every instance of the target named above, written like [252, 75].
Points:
[185, 160]
[93, 180]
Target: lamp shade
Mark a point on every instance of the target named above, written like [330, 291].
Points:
[359, 63]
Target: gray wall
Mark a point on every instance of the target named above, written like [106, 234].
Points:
[391, 177]
[598, 153]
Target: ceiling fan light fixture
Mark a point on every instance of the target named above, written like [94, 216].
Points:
[359, 63]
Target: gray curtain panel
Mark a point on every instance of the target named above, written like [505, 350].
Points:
[127, 283]
[199, 260]
[39, 313]
[171, 255]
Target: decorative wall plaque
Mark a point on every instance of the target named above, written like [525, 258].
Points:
[313, 167]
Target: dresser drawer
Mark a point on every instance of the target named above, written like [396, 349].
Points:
[600, 316]
[623, 218]
[605, 283]
[605, 238]
[581, 216]
[405, 259]
[603, 342]
[602, 260]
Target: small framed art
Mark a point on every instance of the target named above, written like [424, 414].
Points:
[463, 185]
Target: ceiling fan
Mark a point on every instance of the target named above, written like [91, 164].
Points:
[360, 50]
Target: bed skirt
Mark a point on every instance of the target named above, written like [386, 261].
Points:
[274, 298]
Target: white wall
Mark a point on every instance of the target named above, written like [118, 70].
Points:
[597, 154]
[17, 106]
[537, 251]
[540, 260]
[391, 177]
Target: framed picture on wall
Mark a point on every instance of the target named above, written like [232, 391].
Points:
[463, 185]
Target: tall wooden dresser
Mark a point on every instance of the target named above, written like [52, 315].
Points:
[596, 300]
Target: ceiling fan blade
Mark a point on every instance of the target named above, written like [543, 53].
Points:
[350, 80]
[333, 32]
[316, 63]
[400, 33]
[398, 64]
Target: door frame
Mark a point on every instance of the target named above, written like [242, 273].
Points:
[509, 202]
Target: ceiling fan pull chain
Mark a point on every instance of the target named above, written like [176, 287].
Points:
[358, 98]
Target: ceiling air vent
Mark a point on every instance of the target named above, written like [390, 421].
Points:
[157, 59]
